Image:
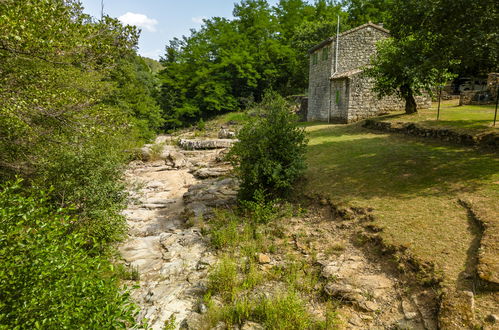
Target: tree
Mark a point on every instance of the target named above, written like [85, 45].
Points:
[405, 67]
[226, 63]
[464, 31]
[363, 11]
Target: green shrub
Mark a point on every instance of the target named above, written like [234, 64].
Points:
[48, 279]
[270, 154]
[223, 279]
[88, 177]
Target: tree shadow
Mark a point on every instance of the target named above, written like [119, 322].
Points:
[348, 162]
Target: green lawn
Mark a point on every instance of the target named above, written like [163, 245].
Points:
[471, 118]
[413, 186]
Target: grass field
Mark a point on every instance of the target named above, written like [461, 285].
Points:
[472, 118]
[413, 186]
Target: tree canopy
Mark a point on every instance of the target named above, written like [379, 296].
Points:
[433, 41]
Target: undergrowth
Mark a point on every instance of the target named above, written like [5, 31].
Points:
[242, 288]
[50, 277]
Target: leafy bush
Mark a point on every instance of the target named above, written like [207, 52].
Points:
[270, 154]
[47, 277]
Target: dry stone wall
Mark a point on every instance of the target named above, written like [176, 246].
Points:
[487, 140]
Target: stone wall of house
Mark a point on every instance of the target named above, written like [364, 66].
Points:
[340, 100]
[318, 85]
[356, 47]
[364, 103]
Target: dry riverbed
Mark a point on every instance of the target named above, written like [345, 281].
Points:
[199, 268]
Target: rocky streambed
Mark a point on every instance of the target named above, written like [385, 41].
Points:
[171, 258]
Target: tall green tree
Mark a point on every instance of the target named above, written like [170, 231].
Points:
[457, 37]
[363, 11]
[399, 69]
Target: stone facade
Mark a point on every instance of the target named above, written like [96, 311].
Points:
[343, 94]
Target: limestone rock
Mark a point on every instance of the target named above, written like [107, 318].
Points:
[369, 306]
[177, 160]
[201, 198]
[192, 322]
[162, 139]
[344, 291]
[410, 312]
[206, 144]
[248, 325]
[202, 309]
[226, 134]
[263, 258]
[210, 172]
[355, 320]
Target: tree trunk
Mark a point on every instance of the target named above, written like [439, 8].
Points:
[410, 101]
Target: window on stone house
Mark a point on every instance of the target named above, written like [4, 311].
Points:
[314, 58]
[325, 53]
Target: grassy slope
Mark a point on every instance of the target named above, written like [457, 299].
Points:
[412, 185]
[469, 118]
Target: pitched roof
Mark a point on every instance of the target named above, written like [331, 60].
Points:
[360, 27]
[346, 74]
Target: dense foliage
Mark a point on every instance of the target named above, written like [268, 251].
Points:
[70, 103]
[48, 277]
[270, 153]
[74, 96]
[457, 38]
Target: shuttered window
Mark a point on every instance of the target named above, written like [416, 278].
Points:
[325, 53]
[314, 58]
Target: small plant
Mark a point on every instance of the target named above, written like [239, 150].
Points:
[201, 125]
[260, 209]
[156, 150]
[223, 279]
[170, 324]
[335, 249]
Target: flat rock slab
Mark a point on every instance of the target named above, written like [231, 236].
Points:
[206, 144]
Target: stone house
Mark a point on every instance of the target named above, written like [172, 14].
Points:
[338, 91]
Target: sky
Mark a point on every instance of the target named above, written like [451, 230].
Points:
[161, 20]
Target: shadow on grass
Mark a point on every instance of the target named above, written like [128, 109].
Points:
[351, 163]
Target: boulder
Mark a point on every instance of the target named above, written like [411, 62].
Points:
[263, 258]
[210, 172]
[177, 159]
[226, 134]
[344, 291]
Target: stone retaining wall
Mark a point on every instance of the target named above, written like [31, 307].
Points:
[489, 140]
